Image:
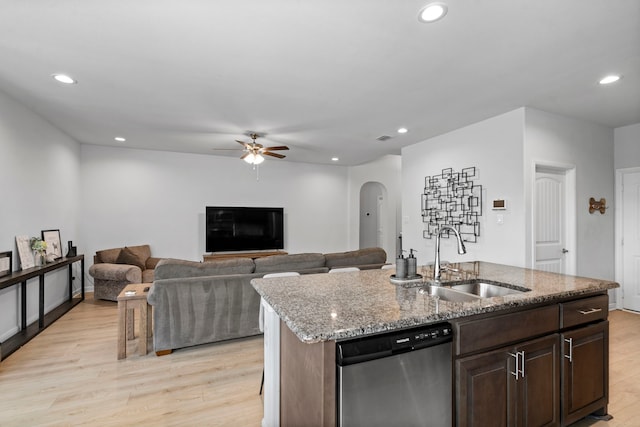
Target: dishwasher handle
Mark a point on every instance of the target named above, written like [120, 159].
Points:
[349, 353]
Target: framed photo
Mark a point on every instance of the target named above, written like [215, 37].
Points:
[52, 237]
[25, 252]
[5, 263]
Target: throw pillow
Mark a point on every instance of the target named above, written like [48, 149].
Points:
[108, 255]
[127, 256]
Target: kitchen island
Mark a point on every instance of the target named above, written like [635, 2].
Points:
[306, 315]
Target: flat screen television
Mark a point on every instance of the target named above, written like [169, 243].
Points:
[243, 228]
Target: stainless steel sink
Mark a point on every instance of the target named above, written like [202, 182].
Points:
[449, 294]
[485, 289]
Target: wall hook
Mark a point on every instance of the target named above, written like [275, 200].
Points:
[597, 205]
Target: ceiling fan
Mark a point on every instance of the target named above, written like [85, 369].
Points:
[254, 153]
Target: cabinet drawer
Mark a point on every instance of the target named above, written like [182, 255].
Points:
[584, 310]
[491, 332]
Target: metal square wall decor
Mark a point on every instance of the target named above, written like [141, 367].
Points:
[452, 198]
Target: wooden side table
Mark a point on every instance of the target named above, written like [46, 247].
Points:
[133, 297]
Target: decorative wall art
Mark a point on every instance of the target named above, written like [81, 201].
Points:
[5, 263]
[25, 252]
[452, 198]
[54, 247]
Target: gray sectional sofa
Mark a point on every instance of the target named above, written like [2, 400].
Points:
[203, 302]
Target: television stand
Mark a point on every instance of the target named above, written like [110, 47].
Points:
[230, 255]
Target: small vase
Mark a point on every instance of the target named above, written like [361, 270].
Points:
[39, 258]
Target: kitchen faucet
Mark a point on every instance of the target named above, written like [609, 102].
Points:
[461, 249]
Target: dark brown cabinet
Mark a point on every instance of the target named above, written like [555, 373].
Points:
[585, 371]
[546, 366]
[512, 386]
[482, 387]
[538, 388]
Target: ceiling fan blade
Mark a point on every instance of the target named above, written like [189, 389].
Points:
[245, 155]
[227, 149]
[268, 153]
[279, 147]
[242, 143]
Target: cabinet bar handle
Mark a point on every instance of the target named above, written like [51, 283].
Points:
[570, 356]
[593, 310]
[516, 356]
[522, 364]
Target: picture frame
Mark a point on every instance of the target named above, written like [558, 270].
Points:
[54, 245]
[25, 252]
[6, 266]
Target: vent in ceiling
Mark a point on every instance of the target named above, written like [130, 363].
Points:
[383, 137]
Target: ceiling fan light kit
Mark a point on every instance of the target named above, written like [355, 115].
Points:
[254, 159]
[254, 153]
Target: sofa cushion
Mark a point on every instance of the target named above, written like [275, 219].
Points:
[151, 263]
[148, 276]
[127, 256]
[296, 262]
[143, 251]
[366, 256]
[111, 255]
[108, 255]
[175, 268]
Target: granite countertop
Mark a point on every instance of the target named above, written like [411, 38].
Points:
[322, 307]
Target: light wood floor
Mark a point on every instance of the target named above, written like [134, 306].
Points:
[69, 375]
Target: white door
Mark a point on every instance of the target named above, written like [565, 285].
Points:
[550, 220]
[631, 240]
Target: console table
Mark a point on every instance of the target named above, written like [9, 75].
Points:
[230, 255]
[27, 332]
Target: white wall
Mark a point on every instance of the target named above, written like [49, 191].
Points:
[494, 147]
[132, 197]
[504, 148]
[626, 156]
[553, 138]
[387, 171]
[627, 146]
[39, 167]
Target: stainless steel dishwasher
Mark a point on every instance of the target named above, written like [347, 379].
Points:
[400, 378]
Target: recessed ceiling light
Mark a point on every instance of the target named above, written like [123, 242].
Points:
[334, 159]
[403, 130]
[120, 139]
[432, 12]
[612, 78]
[63, 78]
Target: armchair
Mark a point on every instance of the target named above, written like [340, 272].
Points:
[113, 269]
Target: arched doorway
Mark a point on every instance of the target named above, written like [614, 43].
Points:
[373, 215]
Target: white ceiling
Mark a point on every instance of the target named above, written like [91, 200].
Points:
[325, 77]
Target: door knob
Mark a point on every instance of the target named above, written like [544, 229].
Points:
[564, 251]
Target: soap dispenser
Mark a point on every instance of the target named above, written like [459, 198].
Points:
[412, 264]
[401, 266]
